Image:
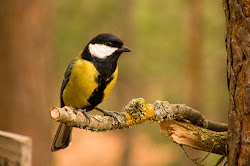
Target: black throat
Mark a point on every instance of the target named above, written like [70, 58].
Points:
[106, 67]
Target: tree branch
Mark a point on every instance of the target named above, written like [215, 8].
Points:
[179, 122]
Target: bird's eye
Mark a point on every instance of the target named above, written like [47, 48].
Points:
[109, 44]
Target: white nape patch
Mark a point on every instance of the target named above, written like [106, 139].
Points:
[101, 51]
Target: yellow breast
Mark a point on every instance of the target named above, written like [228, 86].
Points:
[111, 84]
[81, 84]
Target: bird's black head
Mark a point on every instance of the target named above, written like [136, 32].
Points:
[105, 46]
[103, 51]
[108, 40]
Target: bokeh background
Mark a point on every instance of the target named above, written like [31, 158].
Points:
[178, 55]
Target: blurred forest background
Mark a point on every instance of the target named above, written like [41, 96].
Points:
[178, 55]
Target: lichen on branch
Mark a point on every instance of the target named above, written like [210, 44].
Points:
[138, 111]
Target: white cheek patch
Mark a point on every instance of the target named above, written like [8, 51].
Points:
[101, 51]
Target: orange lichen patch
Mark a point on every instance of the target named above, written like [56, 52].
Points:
[145, 113]
[150, 115]
[129, 121]
[140, 100]
[179, 117]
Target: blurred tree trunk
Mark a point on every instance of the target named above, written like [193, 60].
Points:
[194, 50]
[237, 38]
[26, 54]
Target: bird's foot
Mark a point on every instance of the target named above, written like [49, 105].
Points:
[112, 114]
[85, 114]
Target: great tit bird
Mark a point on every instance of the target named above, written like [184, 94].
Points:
[88, 80]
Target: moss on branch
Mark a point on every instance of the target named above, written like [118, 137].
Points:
[175, 121]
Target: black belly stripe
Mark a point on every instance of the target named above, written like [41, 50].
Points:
[98, 94]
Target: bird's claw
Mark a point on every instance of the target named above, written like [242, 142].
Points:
[85, 114]
[112, 114]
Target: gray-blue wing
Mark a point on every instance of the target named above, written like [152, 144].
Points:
[63, 134]
[67, 74]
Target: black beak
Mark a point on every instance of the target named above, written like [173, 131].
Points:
[124, 49]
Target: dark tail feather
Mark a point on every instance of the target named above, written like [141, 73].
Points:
[62, 138]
